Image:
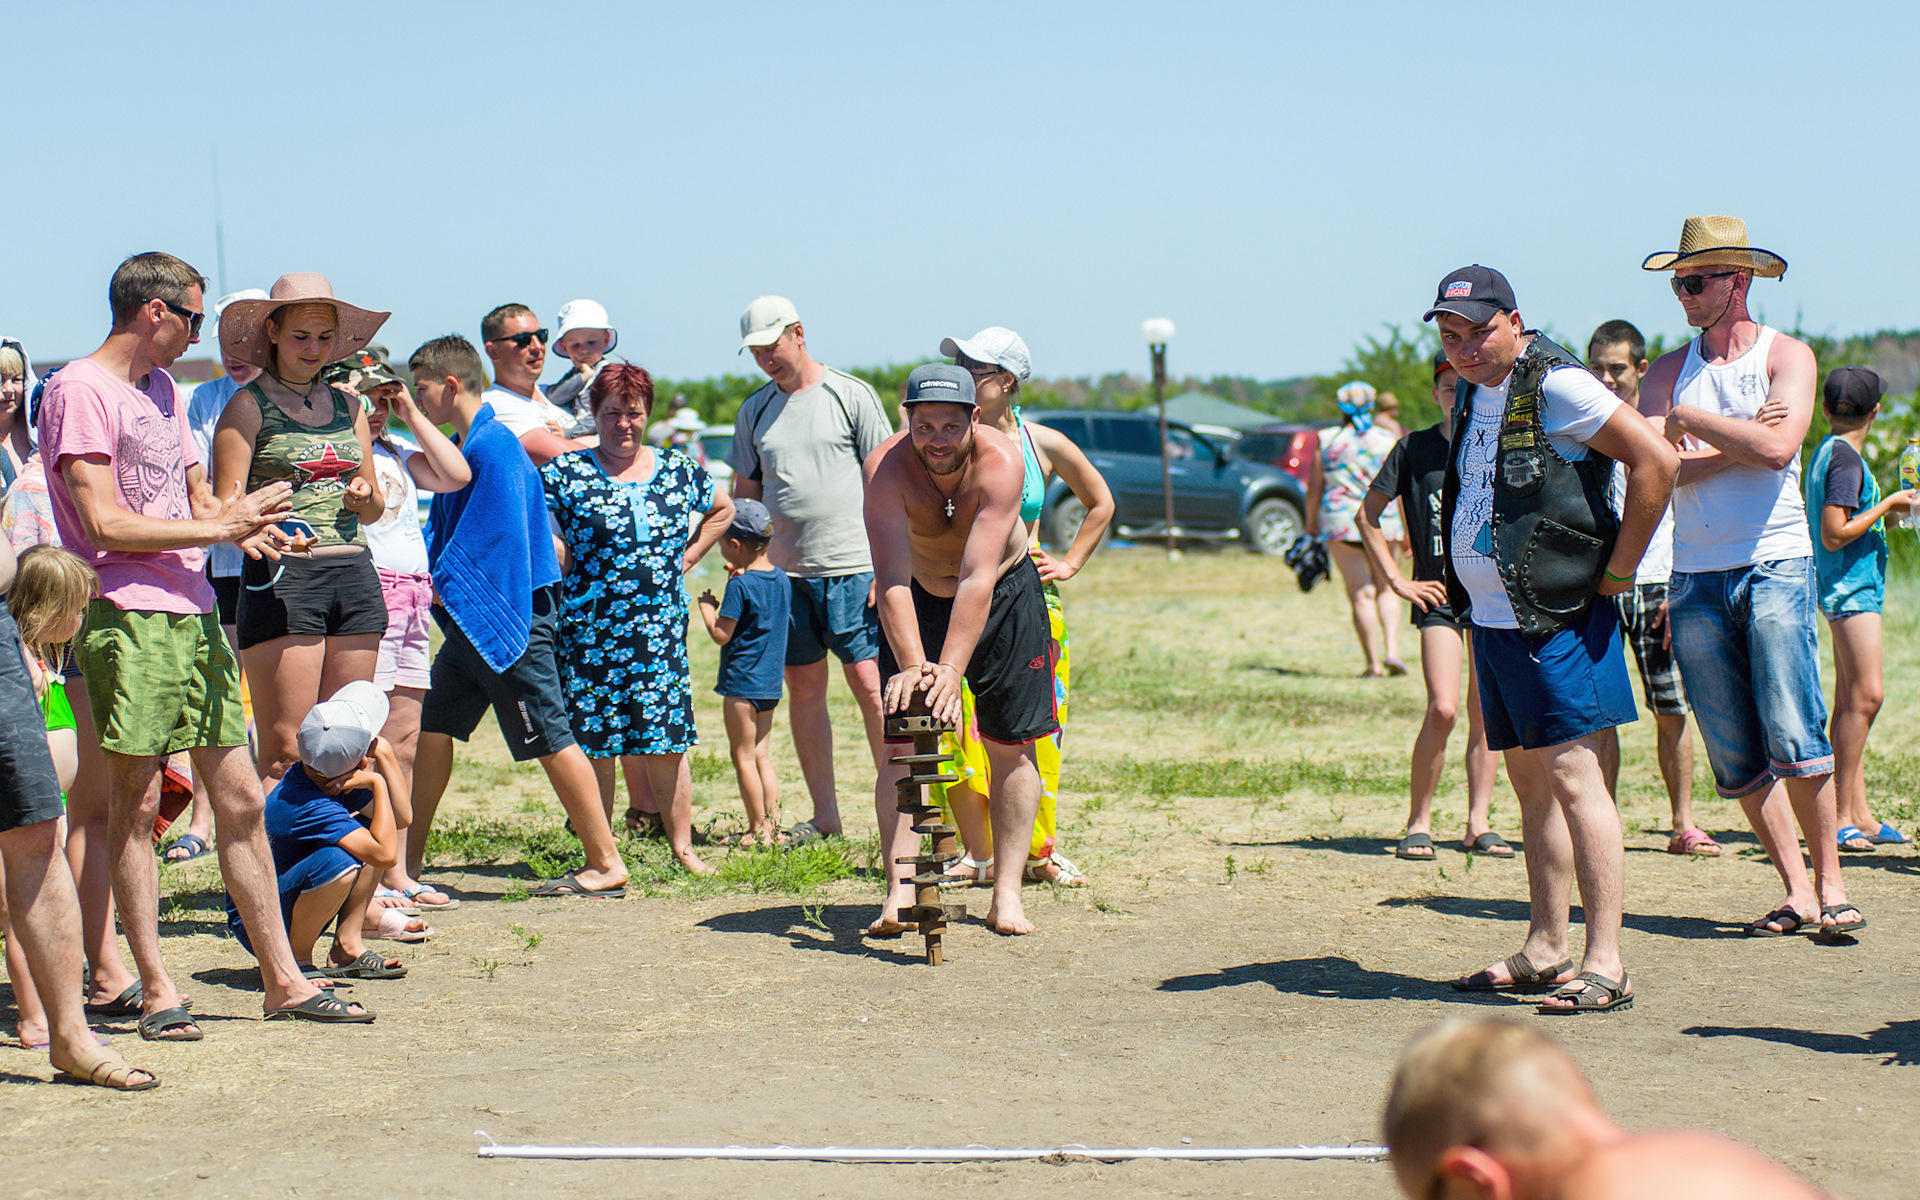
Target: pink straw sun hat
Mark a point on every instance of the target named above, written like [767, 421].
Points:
[243, 325]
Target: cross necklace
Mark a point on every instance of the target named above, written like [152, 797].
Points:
[936, 486]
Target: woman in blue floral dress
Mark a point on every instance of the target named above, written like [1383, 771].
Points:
[624, 515]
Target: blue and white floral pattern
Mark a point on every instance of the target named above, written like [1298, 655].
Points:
[623, 628]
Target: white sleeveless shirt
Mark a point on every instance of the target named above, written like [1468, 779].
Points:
[1742, 515]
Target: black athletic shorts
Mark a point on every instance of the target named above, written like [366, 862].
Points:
[525, 698]
[338, 596]
[29, 789]
[226, 595]
[1011, 672]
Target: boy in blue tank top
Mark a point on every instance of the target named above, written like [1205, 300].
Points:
[1846, 514]
[750, 626]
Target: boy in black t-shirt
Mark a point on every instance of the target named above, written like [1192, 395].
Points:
[1413, 474]
[750, 627]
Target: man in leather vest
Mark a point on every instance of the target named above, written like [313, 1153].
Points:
[1531, 546]
[1737, 400]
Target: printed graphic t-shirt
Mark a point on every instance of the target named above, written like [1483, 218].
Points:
[1574, 405]
[87, 410]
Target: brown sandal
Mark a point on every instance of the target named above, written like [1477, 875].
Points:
[102, 1067]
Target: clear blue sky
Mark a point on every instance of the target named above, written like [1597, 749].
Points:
[1279, 179]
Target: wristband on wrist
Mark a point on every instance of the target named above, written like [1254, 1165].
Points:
[1617, 578]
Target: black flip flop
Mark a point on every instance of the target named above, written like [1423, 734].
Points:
[368, 966]
[170, 1025]
[1585, 984]
[1779, 916]
[1485, 843]
[323, 1009]
[1524, 977]
[1414, 841]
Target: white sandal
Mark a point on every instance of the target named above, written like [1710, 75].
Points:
[1065, 874]
[968, 870]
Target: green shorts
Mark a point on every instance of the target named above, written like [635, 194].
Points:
[160, 682]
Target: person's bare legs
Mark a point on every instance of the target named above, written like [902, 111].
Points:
[813, 740]
[1392, 612]
[1592, 823]
[1440, 649]
[348, 933]
[1812, 799]
[133, 784]
[292, 674]
[46, 915]
[1361, 600]
[578, 789]
[863, 680]
[432, 770]
[1549, 859]
[671, 778]
[1771, 814]
[402, 732]
[313, 911]
[32, 1027]
[246, 863]
[747, 729]
[1676, 767]
[897, 840]
[969, 810]
[1483, 765]
[90, 860]
[1012, 804]
[1858, 692]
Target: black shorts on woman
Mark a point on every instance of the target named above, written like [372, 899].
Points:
[329, 596]
[1011, 671]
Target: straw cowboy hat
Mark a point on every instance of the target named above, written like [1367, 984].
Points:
[1717, 242]
[243, 325]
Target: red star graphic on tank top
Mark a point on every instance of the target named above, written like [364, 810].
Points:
[328, 466]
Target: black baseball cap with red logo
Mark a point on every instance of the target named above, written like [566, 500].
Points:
[1477, 293]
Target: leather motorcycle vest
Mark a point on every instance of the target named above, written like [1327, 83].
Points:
[1552, 530]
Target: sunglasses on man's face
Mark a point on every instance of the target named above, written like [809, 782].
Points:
[1693, 285]
[192, 318]
[522, 340]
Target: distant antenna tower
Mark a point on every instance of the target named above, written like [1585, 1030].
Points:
[219, 227]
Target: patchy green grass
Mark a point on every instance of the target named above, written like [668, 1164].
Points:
[1259, 778]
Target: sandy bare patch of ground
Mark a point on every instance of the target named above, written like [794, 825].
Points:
[1242, 973]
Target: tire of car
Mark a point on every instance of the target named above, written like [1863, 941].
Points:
[1272, 524]
[1063, 525]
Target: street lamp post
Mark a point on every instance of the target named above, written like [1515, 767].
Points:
[1158, 331]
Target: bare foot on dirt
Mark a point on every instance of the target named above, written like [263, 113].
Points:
[32, 1035]
[694, 864]
[1013, 924]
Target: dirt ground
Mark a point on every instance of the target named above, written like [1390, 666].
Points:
[1241, 974]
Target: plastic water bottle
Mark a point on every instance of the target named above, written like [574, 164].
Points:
[1910, 474]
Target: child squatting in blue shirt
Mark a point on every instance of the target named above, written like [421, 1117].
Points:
[330, 823]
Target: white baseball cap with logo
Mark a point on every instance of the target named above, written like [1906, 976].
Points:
[584, 314]
[995, 346]
[765, 320]
[337, 731]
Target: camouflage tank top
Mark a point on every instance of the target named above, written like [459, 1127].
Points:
[319, 461]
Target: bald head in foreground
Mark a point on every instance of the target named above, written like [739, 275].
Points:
[1495, 1109]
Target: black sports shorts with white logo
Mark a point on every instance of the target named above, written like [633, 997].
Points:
[526, 698]
[1011, 672]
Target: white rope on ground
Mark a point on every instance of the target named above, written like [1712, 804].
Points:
[917, 1154]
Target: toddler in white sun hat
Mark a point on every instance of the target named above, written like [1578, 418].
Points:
[583, 332]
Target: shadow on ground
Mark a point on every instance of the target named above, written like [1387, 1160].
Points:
[1326, 976]
[1896, 1044]
[1492, 909]
[834, 928]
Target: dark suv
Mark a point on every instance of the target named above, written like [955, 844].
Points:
[1215, 496]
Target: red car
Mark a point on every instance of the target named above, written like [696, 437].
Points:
[1289, 447]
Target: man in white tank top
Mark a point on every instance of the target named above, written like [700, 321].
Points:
[1737, 401]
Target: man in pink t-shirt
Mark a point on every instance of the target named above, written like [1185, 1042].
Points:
[130, 496]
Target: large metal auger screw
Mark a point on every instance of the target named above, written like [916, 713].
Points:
[928, 913]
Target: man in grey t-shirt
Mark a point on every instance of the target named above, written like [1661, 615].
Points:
[798, 444]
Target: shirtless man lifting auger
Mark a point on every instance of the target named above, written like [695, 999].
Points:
[959, 598]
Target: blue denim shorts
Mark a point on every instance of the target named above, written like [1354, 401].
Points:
[1540, 692]
[1747, 648]
[831, 613]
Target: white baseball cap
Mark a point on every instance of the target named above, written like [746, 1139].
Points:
[995, 344]
[336, 734]
[765, 320]
[584, 314]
